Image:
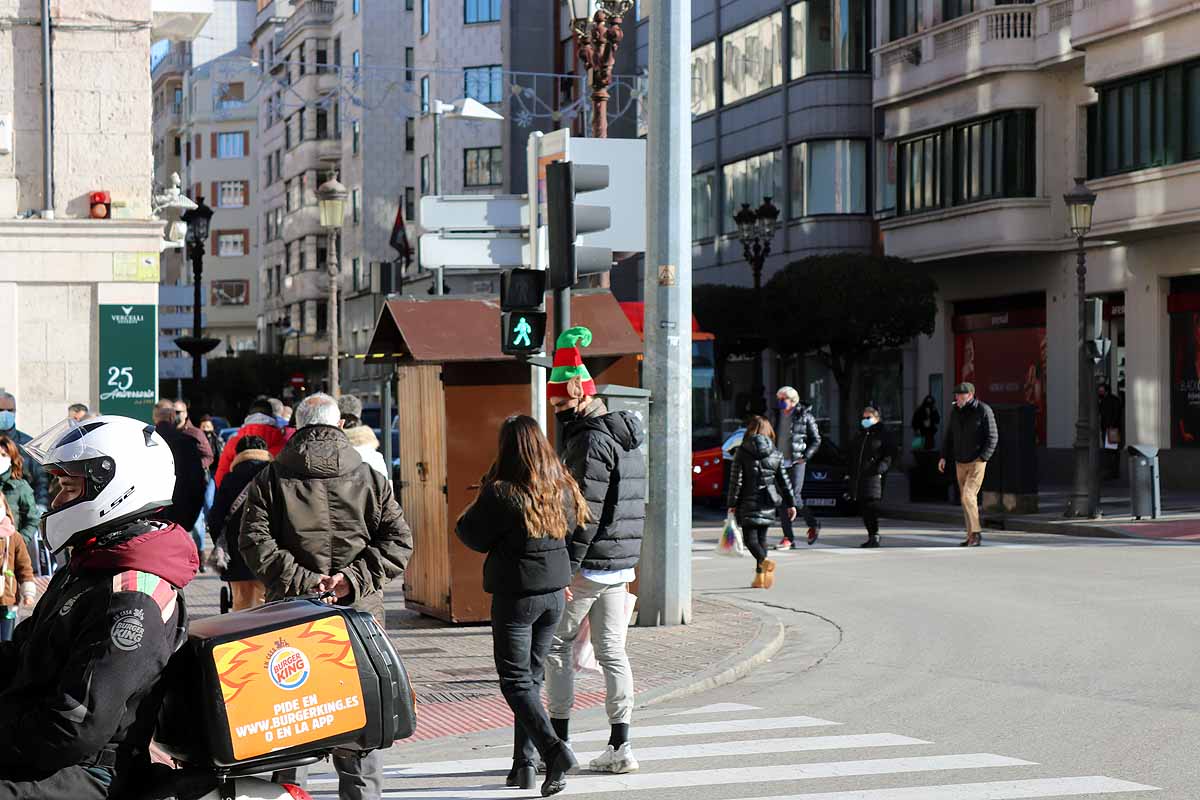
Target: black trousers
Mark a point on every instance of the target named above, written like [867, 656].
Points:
[755, 539]
[870, 515]
[522, 632]
[810, 519]
[82, 783]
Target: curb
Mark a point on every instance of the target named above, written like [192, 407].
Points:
[764, 646]
[1002, 522]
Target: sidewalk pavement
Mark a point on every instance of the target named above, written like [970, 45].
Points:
[1180, 520]
[454, 676]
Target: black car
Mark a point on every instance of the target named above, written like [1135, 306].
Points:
[826, 478]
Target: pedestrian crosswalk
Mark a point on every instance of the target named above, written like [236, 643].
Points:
[732, 734]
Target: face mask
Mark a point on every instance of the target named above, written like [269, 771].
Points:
[5, 463]
[567, 415]
[6, 527]
[782, 405]
[868, 422]
[8, 420]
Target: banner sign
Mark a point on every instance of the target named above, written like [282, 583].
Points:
[129, 360]
[290, 687]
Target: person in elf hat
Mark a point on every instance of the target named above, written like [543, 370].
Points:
[601, 450]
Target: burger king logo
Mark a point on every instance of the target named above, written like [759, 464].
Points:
[289, 668]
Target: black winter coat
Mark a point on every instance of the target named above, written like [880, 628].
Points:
[226, 520]
[758, 483]
[971, 434]
[870, 459]
[191, 480]
[319, 510]
[601, 452]
[517, 564]
[805, 435]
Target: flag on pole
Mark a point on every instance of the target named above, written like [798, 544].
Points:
[399, 239]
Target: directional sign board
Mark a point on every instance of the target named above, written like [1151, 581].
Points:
[473, 251]
[482, 212]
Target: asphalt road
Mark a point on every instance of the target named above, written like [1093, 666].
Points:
[1035, 666]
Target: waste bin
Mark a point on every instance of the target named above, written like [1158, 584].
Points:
[1010, 484]
[1145, 494]
[925, 483]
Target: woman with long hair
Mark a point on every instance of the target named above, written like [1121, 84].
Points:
[528, 507]
[16, 573]
[18, 492]
[758, 484]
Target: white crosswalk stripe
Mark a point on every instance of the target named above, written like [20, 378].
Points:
[715, 708]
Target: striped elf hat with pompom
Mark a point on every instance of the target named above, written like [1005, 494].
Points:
[570, 378]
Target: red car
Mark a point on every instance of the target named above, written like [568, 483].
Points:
[708, 474]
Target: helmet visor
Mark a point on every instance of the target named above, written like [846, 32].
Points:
[59, 448]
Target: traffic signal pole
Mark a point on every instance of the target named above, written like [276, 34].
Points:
[562, 321]
[666, 573]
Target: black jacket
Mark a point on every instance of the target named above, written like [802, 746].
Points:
[81, 680]
[1110, 412]
[229, 504]
[517, 564]
[926, 420]
[870, 459]
[758, 483]
[601, 451]
[319, 510]
[805, 436]
[187, 501]
[971, 435]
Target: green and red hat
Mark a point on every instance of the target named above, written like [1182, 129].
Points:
[568, 365]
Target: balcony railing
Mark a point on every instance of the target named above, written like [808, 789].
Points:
[310, 12]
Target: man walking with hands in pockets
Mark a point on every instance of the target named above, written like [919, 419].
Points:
[969, 443]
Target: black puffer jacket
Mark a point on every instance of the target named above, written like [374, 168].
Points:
[602, 454]
[971, 435]
[517, 564]
[229, 504]
[758, 483]
[319, 510]
[805, 435]
[870, 459]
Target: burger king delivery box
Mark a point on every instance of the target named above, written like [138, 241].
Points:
[281, 685]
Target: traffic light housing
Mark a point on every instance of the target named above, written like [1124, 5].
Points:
[522, 311]
[567, 220]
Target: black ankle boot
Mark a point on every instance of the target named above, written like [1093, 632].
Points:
[523, 775]
[872, 540]
[556, 771]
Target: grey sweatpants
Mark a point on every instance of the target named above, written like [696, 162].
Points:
[604, 608]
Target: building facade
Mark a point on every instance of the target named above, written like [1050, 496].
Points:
[988, 115]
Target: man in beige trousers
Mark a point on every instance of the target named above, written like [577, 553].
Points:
[969, 443]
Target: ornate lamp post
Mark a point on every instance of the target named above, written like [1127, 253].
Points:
[597, 40]
[331, 197]
[197, 220]
[1085, 496]
[756, 229]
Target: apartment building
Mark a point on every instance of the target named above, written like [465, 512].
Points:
[988, 112]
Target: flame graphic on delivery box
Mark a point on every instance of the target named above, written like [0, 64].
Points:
[325, 641]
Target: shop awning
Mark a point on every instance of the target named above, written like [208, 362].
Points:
[438, 330]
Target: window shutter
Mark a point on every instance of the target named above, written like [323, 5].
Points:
[246, 192]
[216, 196]
[245, 143]
[215, 251]
[196, 192]
[215, 150]
[245, 241]
[196, 147]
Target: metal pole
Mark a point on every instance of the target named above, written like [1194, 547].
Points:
[758, 389]
[385, 422]
[562, 321]
[48, 118]
[335, 386]
[197, 331]
[1080, 491]
[666, 573]
[537, 375]
[437, 178]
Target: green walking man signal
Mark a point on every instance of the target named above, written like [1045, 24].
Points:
[522, 311]
[521, 333]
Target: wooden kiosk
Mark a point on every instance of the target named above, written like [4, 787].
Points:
[454, 389]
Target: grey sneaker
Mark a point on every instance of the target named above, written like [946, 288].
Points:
[617, 760]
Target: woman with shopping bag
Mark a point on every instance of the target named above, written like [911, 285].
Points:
[758, 484]
[528, 505]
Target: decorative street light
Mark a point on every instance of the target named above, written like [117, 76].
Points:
[1085, 496]
[331, 197]
[597, 40]
[197, 220]
[756, 229]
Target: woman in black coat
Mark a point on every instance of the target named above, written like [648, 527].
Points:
[225, 520]
[528, 505]
[758, 484]
[870, 459]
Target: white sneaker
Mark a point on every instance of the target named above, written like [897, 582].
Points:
[619, 760]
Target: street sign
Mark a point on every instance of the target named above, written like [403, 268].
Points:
[297, 380]
[472, 251]
[129, 360]
[474, 212]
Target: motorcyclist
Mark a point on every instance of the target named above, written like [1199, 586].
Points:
[80, 684]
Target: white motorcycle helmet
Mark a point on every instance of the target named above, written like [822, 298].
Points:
[128, 470]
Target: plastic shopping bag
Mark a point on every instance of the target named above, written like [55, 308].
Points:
[584, 653]
[731, 539]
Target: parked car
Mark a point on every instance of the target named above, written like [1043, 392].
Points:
[708, 476]
[826, 480]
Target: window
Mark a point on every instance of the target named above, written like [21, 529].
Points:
[409, 60]
[322, 253]
[906, 17]
[278, 164]
[704, 79]
[300, 137]
[355, 7]
[231, 244]
[753, 58]
[885, 182]
[356, 63]
[322, 316]
[749, 181]
[481, 11]
[1144, 121]
[424, 174]
[703, 206]
[410, 134]
[178, 146]
[279, 223]
[298, 57]
[322, 48]
[355, 207]
[268, 226]
[302, 252]
[232, 194]
[322, 123]
[287, 134]
[337, 51]
[424, 17]
[287, 258]
[953, 9]
[829, 177]
[360, 281]
[177, 103]
[408, 5]
[920, 183]
[231, 145]
[291, 190]
[483, 166]
[829, 36]
[355, 135]
[425, 94]
[483, 83]
[270, 283]
[410, 203]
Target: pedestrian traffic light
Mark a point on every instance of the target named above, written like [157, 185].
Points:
[522, 311]
[567, 220]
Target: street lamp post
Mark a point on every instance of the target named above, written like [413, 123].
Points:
[1085, 495]
[597, 39]
[756, 229]
[197, 220]
[331, 197]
